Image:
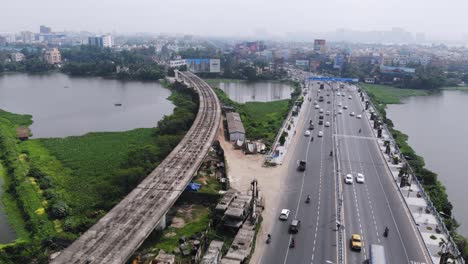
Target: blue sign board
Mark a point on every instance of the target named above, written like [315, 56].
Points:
[333, 79]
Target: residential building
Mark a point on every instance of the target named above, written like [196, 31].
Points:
[319, 45]
[17, 56]
[105, 41]
[52, 56]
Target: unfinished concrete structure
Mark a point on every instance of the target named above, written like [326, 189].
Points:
[116, 236]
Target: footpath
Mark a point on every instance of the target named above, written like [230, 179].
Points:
[430, 225]
[279, 151]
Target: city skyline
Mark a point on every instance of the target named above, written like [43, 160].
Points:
[268, 18]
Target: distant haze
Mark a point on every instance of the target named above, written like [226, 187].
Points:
[438, 19]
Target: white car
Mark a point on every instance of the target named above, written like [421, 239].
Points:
[345, 107]
[340, 111]
[348, 179]
[358, 116]
[338, 94]
[350, 97]
[351, 114]
[327, 113]
[317, 106]
[320, 134]
[307, 133]
[327, 124]
[321, 110]
[360, 178]
[284, 214]
[339, 104]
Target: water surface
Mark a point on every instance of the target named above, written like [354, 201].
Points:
[65, 106]
[242, 92]
[437, 128]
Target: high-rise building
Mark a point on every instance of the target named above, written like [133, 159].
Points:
[319, 45]
[52, 56]
[27, 36]
[105, 41]
[45, 30]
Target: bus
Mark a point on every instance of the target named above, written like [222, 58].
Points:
[377, 254]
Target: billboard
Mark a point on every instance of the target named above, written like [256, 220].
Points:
[203, 65]
[397, 70]
[339, 61]
[302, 63]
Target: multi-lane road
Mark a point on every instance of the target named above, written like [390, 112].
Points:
[367, 208]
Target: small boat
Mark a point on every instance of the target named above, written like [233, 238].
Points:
[117, 104]
[66, 86]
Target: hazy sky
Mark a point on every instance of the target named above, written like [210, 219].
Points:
[440, 18]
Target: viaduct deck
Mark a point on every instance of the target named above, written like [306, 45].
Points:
[116, 236]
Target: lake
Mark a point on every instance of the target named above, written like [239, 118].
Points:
[437, 130]
[68, 106]
[242, 92]
[64, 106]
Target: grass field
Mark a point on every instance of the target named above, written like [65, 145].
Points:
[391, 95]
[81, 167]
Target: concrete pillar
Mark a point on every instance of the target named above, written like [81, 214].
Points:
[162, 223]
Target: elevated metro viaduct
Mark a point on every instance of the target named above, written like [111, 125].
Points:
[116, 236]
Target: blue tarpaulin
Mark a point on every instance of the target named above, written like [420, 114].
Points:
[194, 187]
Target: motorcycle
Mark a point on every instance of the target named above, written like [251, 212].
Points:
[268, 239]
[385, 233]
[293, 244]
[307, 199]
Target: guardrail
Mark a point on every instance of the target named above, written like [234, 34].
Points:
[440, 221]
[339, 192]
[269, 155]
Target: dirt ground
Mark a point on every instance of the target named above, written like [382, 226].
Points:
[242, 169]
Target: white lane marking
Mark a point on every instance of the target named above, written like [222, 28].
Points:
[302, 188]
[346, 147]
[410, 218]
[388, 205]
[365, 186]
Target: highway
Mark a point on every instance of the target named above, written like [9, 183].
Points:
[367, 208]
[316, 240]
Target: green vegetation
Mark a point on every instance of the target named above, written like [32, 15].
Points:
[428, 179]
[196, 221]
[385, 94]
[57, 188]
[261, 120]
[92, 60]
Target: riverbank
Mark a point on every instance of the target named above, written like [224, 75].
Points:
[62, 186]
[390, 95]
[455, 88]
[381, 96]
